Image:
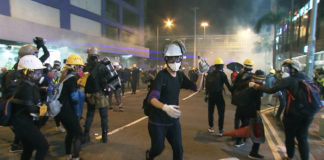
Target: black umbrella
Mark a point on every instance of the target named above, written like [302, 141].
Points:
[234, 66]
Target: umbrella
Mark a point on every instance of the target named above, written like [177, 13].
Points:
[234, 66]
[241, 132]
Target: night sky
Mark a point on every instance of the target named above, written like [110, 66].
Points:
[224, 16]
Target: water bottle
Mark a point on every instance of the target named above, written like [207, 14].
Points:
[203, 65]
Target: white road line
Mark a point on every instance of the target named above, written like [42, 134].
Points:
[189, 96]
[123, 127]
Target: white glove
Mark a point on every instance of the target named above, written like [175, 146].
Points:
[172, 110]
[251, 84]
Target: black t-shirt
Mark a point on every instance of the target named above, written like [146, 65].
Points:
[169, 88]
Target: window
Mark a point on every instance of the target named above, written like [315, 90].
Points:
[129, 37]
[134, 3]
[111, 32]
[130, 19]
[112, 10]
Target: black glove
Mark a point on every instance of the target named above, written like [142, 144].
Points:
[39, 41]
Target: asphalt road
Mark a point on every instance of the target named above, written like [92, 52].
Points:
[129, 139]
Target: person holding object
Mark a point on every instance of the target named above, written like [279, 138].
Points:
[297, 117]
[164, 99]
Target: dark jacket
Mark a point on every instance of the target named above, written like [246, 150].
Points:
[98, 78]
[215, 82]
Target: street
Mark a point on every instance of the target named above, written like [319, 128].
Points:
[129, 139]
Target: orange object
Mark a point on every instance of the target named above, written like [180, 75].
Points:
[241, 132]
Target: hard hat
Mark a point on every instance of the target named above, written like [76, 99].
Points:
[92, 51]
[115, 64]
[30, 62]
[175, 48]
[134, 65]
[27, 50]
[219, 61]
[292, 63]
[272, 71]
[57, 62]
[74, 59]
[259, 74]
[248, 62]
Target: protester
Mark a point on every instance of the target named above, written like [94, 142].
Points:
[215, 81]
[164, 97]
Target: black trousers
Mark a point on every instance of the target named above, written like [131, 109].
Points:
[31, 138]
[218, 100]
[122, 89]
[296, 126]
[134, 86]
[173, 134]
[103, 115]
[73, 134]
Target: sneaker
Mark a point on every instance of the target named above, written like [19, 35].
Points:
[238, 145]
[255, 156]
[211, 130]
[220, 133]
[15, 148]
[60, 129]
[121, 109]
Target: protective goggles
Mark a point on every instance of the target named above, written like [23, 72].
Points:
[173, 59]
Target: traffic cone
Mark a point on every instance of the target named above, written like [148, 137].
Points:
[241, 132]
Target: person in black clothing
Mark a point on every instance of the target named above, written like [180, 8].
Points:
[296, 123]
[10, 87]
[242, 81]
[164, 97]
[134, 78]
[215, 81]
[123, 79]
[25, 105]
[67, 115]
[95, 85]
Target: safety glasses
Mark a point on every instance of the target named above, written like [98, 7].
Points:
[173, 59]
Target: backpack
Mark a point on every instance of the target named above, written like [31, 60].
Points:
[307, 98]
[147, 107]
[5, 112]
[54, 106]
[9, 83]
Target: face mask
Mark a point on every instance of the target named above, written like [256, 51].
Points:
[285, 75]
[80, 73]
[174, 66]
[37, 75]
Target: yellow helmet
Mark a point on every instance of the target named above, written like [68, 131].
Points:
[272, 71]
[219, 61]
[248, 62]
[74, 59]
[134, 65]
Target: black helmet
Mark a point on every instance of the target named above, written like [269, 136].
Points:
[259, 74]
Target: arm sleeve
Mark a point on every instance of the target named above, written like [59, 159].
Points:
[282, 84]
[186, 83]
[225, 80]
[45, 55]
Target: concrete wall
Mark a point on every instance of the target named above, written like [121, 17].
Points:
[93, 6]
[84, 25]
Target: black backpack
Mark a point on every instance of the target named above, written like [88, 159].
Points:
[307, 98]
[5, 112]
[9, 83]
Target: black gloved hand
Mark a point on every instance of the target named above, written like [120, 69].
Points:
[39, 41]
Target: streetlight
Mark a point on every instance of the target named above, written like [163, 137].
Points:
[204, 25]
[167, 24]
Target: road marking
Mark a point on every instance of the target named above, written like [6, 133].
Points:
[190, 96]
[123, 127]
[272, 145]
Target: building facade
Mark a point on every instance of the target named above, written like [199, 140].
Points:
[116, 27]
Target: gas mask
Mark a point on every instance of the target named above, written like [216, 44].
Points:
[174, 66]
[37, 75]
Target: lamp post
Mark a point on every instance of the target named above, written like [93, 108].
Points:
[204, 25]
[167, 24]
[195, 36]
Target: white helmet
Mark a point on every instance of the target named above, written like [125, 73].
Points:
[30, 62]
[115, 64]
[175, 48]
